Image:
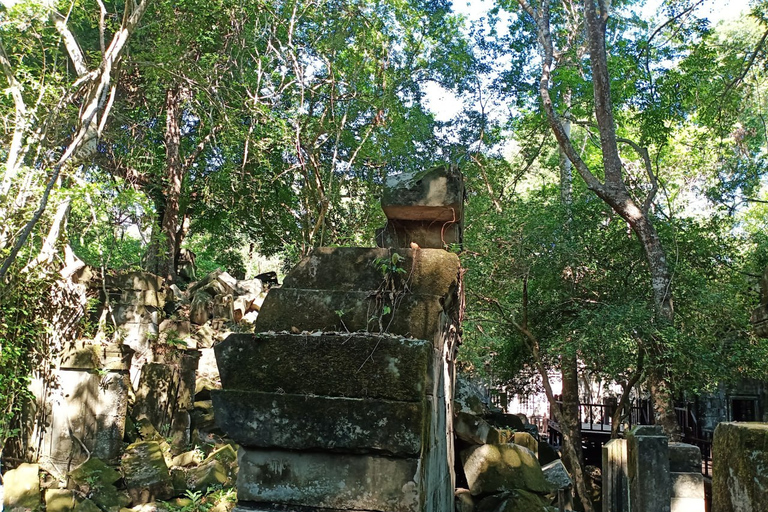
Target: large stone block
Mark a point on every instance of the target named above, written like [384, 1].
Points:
[362, 366]
[740, 467]
[426, 271]
[684, 458]
[504, 467]
[329, 481]
[287, 309]
[306, 422]
[433, 195]
[135, 281]
[648, 469]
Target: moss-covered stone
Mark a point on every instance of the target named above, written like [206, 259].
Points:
[300, 422]
[287, 309]
[436, 194]
[497, 468]
[226, 454]
[740, 467]
[363, 366]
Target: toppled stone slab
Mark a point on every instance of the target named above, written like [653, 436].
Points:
[300, 422]
[357, 482]
[740, 467]
[60, 500]
[474, 429]
[146, 473]
[287, 309]
[498, 468]
[21, 488]
[373, 366]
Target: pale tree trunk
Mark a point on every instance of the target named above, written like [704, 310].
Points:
[613, 191]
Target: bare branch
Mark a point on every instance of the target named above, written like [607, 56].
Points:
[643, 152]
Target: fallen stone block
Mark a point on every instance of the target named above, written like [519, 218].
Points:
[527, 440]
[146, 474]
[475, 430]
[60, 500]
[517, 500]
[207, 475]
[329, 481]
[301, 422]
[498, 468]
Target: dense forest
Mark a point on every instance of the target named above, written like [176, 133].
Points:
[614, 156]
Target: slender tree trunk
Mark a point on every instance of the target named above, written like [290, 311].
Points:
[163, 249]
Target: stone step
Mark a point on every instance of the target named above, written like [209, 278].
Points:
[287, 309]
[307, 422]
[328, 481]
[359, 366]
[425, 271]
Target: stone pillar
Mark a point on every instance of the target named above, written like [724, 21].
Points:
[740, 467]
[686, 479]
[615, 480]
[342, 399]
[648, 469]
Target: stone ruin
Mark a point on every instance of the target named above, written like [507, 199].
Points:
[342, 399]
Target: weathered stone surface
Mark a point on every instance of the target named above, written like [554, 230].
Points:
[207, 475]
[428, 271]
[687, 492]
[468, 397]
[436, 195]
[498, 468]
[614, 478]
[474, 429]
[21, 488]
[556, 475]
[426, 234]
[300, 422]
[146, 473]
[360, 366]
[134, 281]
[96, 356]
[287, 309]
[648, 469]
[527, 440]
[329, 481]
[190, 458]
[684, 458]
[60, 500]
[740, 467]
[87, 404]
[517, 500]
[96, 479]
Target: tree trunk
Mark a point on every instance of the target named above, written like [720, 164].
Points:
[162, 254]
[570, 410]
